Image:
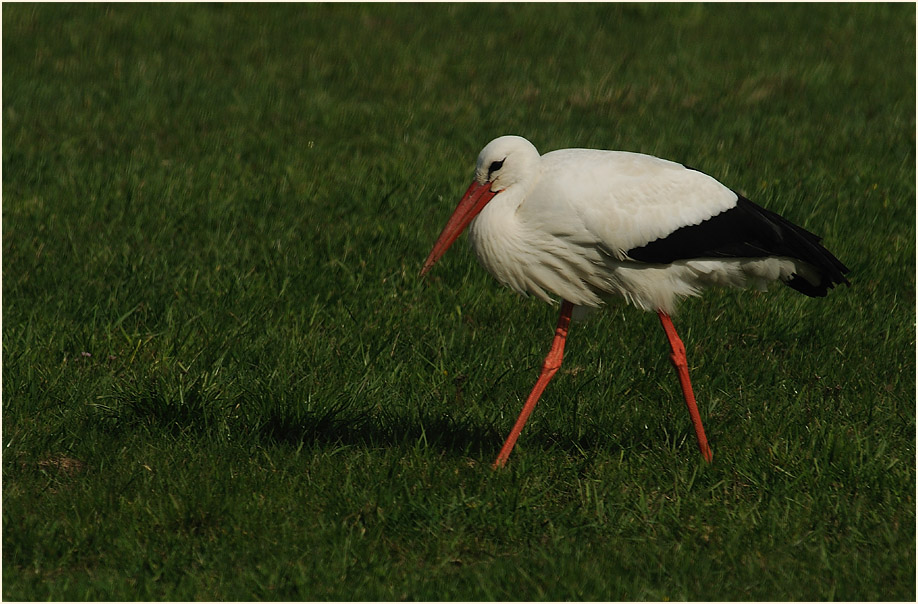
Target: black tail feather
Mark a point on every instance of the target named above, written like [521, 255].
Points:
[797, 242]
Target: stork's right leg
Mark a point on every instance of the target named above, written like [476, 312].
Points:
[549, 368]
[681, 364]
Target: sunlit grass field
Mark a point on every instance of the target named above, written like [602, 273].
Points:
[223, 379]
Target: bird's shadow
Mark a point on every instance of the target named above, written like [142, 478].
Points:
[344, 425]
[455, 436]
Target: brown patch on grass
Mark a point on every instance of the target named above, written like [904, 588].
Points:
[63, 464]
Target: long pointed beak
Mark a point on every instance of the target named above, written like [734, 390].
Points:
[475, 199]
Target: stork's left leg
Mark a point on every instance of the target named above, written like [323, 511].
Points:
[549, 368]
[681, 364]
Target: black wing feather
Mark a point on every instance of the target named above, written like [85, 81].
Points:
[748, 231]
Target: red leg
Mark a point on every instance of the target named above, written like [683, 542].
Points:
[679, 361]
[549, 368]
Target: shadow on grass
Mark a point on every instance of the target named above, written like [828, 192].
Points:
[347, 425]
[458, 436]
[154, 409]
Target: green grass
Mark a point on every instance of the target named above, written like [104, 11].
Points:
[223, 379]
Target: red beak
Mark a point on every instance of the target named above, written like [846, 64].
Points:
[474, 200]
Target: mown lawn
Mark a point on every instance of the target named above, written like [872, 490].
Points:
[223, 379]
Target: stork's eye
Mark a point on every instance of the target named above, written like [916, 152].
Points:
[495, 166]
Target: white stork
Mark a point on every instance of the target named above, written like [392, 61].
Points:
[585, 225]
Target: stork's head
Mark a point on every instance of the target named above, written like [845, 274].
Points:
[504, 162]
